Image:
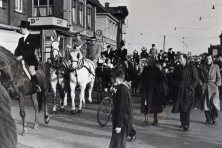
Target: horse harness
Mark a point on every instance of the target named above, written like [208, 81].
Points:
[81, 65]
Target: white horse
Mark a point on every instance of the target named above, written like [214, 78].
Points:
[83, 74]
[57, 74]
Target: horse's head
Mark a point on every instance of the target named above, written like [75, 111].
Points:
[76, 57]
[10, 77]
[55, 53]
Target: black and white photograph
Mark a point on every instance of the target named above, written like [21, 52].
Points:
[110, 73]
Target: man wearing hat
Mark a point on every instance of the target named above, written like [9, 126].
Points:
[94, 51]
[78, 43]
[25, 52]
[153, 51]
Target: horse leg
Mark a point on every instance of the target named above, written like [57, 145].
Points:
[22, 114]
[72, 88]
[54, 96]
[82, 98]
[62, 95]
[90, 90]
[46, 114]
[35, 105]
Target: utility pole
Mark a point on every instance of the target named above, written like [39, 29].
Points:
[164, 42]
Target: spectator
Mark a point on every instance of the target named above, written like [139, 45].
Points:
[122, 112]
[186, 78]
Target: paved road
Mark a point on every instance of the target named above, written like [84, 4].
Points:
[82, 130]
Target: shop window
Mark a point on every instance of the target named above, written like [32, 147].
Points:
[42, 7]
[81, 13]
[89, 17]
[74, 11]
[19, 5]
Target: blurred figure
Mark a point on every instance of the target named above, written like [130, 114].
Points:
[153, 52]
[94, 51]
[211, 79]
[8, 135]
[144, 53]
[136, 57]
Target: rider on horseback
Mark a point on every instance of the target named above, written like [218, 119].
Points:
[25, 52]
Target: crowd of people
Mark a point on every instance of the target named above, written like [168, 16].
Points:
[163, 76]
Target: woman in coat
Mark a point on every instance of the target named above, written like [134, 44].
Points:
[185, 79]
[151, 102]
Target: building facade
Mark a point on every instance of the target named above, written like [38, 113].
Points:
[61, 18]
[11, 13]
[216, 50]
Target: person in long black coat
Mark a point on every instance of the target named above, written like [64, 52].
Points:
[122, 112]
[186, 78]
[8, 135]
[151, 101]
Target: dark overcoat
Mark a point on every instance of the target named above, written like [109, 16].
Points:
[122, 116]
[26, 49]
[185, 79]
[8, 135]
[151, 100]
[211, 79]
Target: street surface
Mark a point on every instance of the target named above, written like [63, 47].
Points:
[82, 130]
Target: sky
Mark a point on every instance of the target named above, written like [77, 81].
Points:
[179, 20]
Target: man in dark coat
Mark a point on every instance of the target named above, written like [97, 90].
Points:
[186, 78]
[136, 57]
[25, 52]
[122, 112]
[121, 54]
[144, 54]
[211, 79]
[8, 135]
[109, 54]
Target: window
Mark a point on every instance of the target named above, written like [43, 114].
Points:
[89, 17]
[18, 5]
[81, 13]
[42, 7]
[74, 11]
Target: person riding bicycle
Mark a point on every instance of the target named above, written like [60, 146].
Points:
[25, 52]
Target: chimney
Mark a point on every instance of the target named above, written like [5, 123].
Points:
[106, 5]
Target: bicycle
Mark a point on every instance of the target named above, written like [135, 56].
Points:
[104, 111]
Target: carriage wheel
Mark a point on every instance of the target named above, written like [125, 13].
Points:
[104, 111]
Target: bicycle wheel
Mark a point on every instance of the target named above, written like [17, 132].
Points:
[104, 111]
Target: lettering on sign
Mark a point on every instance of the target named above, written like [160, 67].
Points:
[59, 22]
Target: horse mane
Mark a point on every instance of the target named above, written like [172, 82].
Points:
[6, 57]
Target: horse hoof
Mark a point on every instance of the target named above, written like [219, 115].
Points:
[62, 109]
[24, 132]
[46, 119]
[79, 111]
[73, 111]
[36, 126]
[53, 112]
